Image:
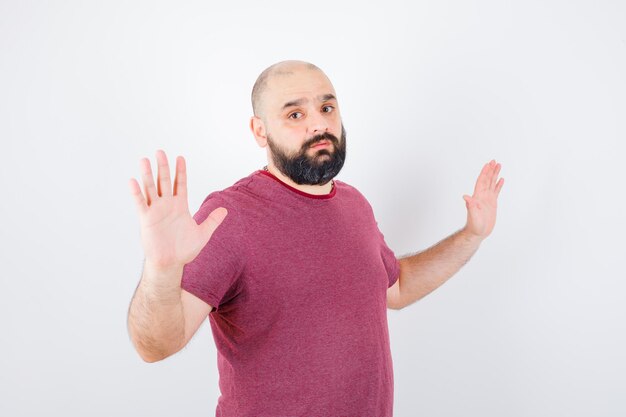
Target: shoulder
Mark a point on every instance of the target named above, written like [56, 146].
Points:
[352, 193]
[232, 198]
[232, 194]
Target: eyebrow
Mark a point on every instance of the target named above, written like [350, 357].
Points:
[300, 101]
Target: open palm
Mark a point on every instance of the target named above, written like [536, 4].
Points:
[482, 205]
[169, 234]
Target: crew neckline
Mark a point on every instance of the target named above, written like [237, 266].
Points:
[302, 193]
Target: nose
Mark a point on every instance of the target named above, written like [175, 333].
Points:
[318, 124]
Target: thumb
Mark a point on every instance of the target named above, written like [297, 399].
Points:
[214, 219]
[468, 200]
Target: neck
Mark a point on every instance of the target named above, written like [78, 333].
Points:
[307, 188]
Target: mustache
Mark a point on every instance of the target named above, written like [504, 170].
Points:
[325, 136]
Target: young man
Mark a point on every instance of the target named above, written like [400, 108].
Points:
[288, 264]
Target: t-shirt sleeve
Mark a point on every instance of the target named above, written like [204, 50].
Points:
[214, 274]
[392, 265]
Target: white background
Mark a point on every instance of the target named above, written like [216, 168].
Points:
[429, 91]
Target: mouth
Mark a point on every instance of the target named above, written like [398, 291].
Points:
[321, 144]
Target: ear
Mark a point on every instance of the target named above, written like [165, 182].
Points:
[257, 126]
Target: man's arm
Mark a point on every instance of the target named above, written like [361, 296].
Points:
[162, 317]
[423, 272]
[156, 323]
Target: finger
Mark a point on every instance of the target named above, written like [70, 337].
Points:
[214, 219]
[180, 182]
[499, 186]
[471, 202]
[489, 174]
[467, 199]
[135, 190]
[494, 177]
[164, 184]
[481, 182]
[148, 181]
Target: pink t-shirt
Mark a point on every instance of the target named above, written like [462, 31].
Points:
[298, 283]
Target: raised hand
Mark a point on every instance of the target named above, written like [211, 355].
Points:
[169, 234]
[482, 205]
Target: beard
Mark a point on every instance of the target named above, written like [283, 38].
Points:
[318, 169]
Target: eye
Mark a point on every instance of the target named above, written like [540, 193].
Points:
[296, 112]
[330, 107]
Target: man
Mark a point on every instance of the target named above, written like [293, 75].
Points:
[288, 264]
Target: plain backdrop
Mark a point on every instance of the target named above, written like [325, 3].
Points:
[429, 91]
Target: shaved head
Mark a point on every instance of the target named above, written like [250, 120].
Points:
[279, 69]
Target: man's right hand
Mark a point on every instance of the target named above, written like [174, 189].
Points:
[169, 234]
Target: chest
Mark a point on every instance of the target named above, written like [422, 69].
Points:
[314, 261]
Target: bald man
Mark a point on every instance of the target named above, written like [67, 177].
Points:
[288, 264]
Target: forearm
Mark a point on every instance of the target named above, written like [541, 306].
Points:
[425, 271]
[155, 317]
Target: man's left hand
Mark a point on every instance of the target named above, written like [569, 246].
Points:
[482, 205]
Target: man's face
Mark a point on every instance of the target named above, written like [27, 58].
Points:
[301, 112]
[311, 164]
